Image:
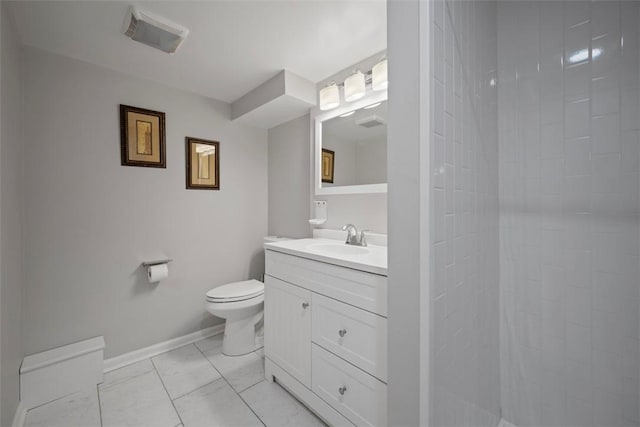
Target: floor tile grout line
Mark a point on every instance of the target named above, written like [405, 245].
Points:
[251, 386]
[251, 409]
[165, 388]
[99, 405]
[129, 378]
[233, 389]
[196, 389]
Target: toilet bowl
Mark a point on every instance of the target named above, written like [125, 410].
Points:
[241, 304]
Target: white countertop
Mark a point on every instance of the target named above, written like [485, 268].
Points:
[372, 258]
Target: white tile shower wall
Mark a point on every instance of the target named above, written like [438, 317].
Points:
[569, 90]
[465, 334]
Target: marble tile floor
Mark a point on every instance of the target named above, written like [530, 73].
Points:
[191, 386]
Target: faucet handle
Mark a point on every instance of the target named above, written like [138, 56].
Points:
[363, 240]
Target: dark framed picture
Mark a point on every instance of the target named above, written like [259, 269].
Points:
[142, 137]
[203, 164]
[327, 165]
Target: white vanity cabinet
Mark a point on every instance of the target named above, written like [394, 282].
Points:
[326, 337]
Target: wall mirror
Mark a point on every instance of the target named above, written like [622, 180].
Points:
[351, 148]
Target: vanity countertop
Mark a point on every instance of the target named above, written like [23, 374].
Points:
[372, 258]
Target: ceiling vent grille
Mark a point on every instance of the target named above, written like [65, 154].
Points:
[154, 30]
[370, 121]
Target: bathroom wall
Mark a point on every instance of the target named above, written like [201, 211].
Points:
[408, 323]
[464, 202]
[89, 222]
[569, 203]
[289, 179]
[11, 279]
[291, 191]
[365, 211]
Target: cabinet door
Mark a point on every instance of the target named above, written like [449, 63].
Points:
[287, 328]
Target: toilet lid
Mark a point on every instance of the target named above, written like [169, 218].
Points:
[236, 291]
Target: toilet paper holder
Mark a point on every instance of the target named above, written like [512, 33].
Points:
[148, 264]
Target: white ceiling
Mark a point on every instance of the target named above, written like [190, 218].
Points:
[233, 46]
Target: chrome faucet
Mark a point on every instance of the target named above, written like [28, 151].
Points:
[353, 238]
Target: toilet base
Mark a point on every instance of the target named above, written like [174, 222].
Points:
[240, 336]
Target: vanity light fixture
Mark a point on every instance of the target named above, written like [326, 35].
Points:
[329, 96]
[350, 113]
[379, 80]
[368, 107]
[354, 86]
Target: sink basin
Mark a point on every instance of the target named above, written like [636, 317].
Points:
[338, 249]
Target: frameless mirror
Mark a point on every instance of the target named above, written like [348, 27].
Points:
[351, 148]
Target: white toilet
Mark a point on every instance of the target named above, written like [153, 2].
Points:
[242, 305]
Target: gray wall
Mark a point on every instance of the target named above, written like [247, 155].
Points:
[11, 219]
[365, 211]
[90, 222]
[289, 151]
[409, 267]
[291, 188]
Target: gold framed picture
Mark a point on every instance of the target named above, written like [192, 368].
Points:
[327, 165]
[142, 137]
[203, 164]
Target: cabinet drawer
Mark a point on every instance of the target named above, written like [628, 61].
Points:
[361, 289]
[355, 394]
[355, 335]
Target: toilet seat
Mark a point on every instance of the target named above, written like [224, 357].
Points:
[236, 291]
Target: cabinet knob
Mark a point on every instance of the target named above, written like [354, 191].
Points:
[305, 304]
[342, 332]
[341, 390]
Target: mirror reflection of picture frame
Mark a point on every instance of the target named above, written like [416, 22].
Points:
[202, 164]
[328, 157]
[318, 118]
[142, 137]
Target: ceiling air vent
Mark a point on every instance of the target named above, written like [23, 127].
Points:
[370, 121]
[154, 30]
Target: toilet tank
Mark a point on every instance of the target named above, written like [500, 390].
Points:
[271, 239]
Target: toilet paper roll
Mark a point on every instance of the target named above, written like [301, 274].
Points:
[157, 273]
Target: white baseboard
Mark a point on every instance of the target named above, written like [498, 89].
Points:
[54, 373]
[20, 415]
[163, 347]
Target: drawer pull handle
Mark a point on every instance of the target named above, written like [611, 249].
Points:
[341, 390]
[342, 332]
[305, 304]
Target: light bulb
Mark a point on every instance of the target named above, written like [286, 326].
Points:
[379, 80]
[354, 86]
[329, 96]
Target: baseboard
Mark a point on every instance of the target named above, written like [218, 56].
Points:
[60, 371]
[163, 347]
[20, 415]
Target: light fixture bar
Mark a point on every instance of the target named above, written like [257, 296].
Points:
[355, 86]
